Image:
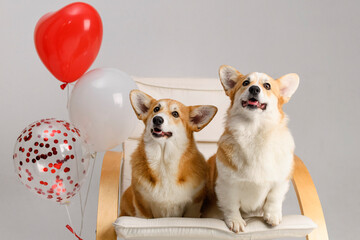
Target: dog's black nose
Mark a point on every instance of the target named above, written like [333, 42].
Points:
[158, 120]
[255, 90]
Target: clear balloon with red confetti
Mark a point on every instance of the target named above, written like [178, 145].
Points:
[51, 159]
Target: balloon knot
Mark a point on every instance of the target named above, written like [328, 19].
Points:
[63, 86]
[72, 231]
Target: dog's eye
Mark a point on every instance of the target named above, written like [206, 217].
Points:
[246, 82]
[175, 114]
[156, 109]
[267, 86]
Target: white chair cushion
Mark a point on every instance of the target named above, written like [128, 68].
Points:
[209, 228]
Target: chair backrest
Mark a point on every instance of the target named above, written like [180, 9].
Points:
[189, 91]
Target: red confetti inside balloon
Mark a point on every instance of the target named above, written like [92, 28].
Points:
[43, 163]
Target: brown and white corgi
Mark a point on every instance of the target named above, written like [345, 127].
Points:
[168, 172]
[249, 175]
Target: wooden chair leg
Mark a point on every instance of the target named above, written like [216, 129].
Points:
[108, 203]
[309, 200]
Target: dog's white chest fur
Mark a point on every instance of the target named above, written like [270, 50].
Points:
[263, 160]
[263, 155]
[167, 197]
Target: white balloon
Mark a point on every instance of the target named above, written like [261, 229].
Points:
[100, 107]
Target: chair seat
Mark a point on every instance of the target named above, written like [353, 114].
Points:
[209, 228]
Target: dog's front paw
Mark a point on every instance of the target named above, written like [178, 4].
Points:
[236, 224]
[273, 218]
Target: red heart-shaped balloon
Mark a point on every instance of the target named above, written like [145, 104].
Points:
[69, 40]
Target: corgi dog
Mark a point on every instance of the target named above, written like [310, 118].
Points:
[169, 173]
[250, 172]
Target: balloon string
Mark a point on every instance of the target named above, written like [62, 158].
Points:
[73, 232]
[68, 213]
[81, 205]
[67, 86]
[93, 157]
[67, 96]
[68, 226]
[77, 172]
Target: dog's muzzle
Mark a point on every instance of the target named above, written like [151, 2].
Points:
[156, 131]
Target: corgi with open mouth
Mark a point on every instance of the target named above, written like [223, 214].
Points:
[250, 173]
[168, 172]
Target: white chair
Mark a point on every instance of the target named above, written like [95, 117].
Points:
[116, 176]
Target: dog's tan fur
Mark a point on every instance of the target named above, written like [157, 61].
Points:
[187, 177]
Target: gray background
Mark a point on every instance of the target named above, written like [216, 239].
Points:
[319, 40]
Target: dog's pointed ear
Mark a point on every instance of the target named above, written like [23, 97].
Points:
[141, 103]
[229, 76]
[288, 85]
[200, 116]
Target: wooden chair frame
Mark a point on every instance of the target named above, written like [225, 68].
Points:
[109, 198]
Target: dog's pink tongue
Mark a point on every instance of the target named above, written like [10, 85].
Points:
[253, 102]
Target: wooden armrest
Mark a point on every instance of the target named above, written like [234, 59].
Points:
[108, 203]
[309, 200]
